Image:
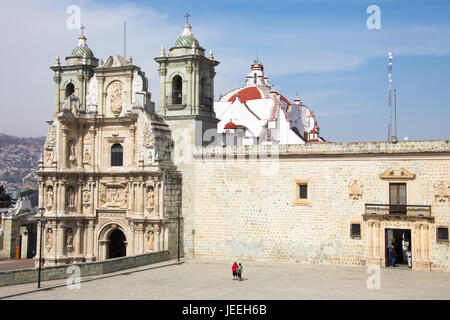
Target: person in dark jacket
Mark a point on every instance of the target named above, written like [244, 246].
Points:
[393, 256]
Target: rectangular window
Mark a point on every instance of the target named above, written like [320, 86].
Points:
[397, 198]
[442, 234]
[303, 191]
[355, 230]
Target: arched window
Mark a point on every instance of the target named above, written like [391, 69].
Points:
[254, 78]
[177, 90]
[116, 155]
[70, 88]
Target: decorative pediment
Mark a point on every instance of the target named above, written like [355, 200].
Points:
[116, 61]
[397, 174]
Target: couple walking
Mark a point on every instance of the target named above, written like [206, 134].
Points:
[237, 271]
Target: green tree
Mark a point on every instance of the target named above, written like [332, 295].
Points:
[5, 199]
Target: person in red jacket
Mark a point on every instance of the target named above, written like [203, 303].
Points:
[234, 269]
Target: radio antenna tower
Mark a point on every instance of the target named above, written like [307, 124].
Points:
[390, 55]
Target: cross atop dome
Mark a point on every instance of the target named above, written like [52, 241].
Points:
[187, 17]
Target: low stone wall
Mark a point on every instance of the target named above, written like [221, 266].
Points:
[14, 277]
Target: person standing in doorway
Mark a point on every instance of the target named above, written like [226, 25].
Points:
[409, 257]
[393, 256]
[234, 268]
[239, 271]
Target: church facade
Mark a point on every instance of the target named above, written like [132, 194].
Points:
[106, 178]
[115, 174]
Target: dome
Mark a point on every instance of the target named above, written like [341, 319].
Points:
[187, 38]
[82, 49]
[230, 125]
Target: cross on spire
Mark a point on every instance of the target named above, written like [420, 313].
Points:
[82, 28]
[187, 17]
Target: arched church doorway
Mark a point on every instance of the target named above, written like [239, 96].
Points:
[117, 246]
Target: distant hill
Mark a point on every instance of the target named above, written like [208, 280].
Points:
[6, 140]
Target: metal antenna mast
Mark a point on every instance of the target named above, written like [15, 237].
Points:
[390, 55]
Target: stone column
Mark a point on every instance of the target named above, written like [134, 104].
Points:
[141, 239]
[92, 134]
[369, 239]
[57, 80]
[162, 74]
[92, 190]
[426, 242]
[131, 198]
[166, 237]
[161, 238]
[133, 146]
[41, 194]
[62, 202]
[136, 240]
[55, 197]
[54, 239]
[376, 247]
[80, 198]
[130, 247]
[90, 244]
[78, 239]
[422, 243]
[60, 242]
[417, 242]
[156, 200]
[141, 198]
[80, 148]
[64, 148]
[156, 241]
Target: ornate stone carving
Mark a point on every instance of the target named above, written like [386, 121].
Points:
[401, 173]
[71, 197]
[150, 239]
[113, 195]
[49, 197]
[116, 98]
[138, 84]
[49, 239]
[87, 155]
[441, 191]
[150, 197]
[91, 97]
[86, 198]
[71, 151]
[69, 238]
[50, 142]
[49, 158]
[355, 190]
[149, 138]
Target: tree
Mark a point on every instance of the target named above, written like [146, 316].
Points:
[5, 199]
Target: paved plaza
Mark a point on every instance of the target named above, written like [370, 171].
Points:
[196, 279]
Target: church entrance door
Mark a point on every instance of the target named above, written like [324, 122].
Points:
[398, 240]
[117, 247]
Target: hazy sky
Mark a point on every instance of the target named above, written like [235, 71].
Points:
[320, 49]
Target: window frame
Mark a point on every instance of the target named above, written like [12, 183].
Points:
[297, 201]
[353, 235]
[442, 241]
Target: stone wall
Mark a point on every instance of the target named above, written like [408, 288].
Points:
[245, 207]
[13, 277]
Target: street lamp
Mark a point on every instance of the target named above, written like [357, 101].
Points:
[178, 242]
[42, 221]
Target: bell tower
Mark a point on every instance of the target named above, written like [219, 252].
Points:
[187, 88]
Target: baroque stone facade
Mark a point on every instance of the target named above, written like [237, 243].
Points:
[106, 179]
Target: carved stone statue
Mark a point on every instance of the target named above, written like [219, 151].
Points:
[150, 240]
[51, 137]
[49, 238]
[69, 238]
[91, 97]
[49, 157]
[137, 84]
[86, 198]
[50, 197]
[87, 155]
[71, 197]
[116, 98]
[71, 151]
[151, 197]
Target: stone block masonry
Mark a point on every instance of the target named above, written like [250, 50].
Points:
[14, 277]
[243, 212]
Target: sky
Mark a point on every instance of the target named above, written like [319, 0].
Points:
[321, 50]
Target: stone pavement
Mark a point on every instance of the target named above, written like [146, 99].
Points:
[16, 264]
[196, 279]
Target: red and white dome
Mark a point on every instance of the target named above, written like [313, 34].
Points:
[267, 115]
